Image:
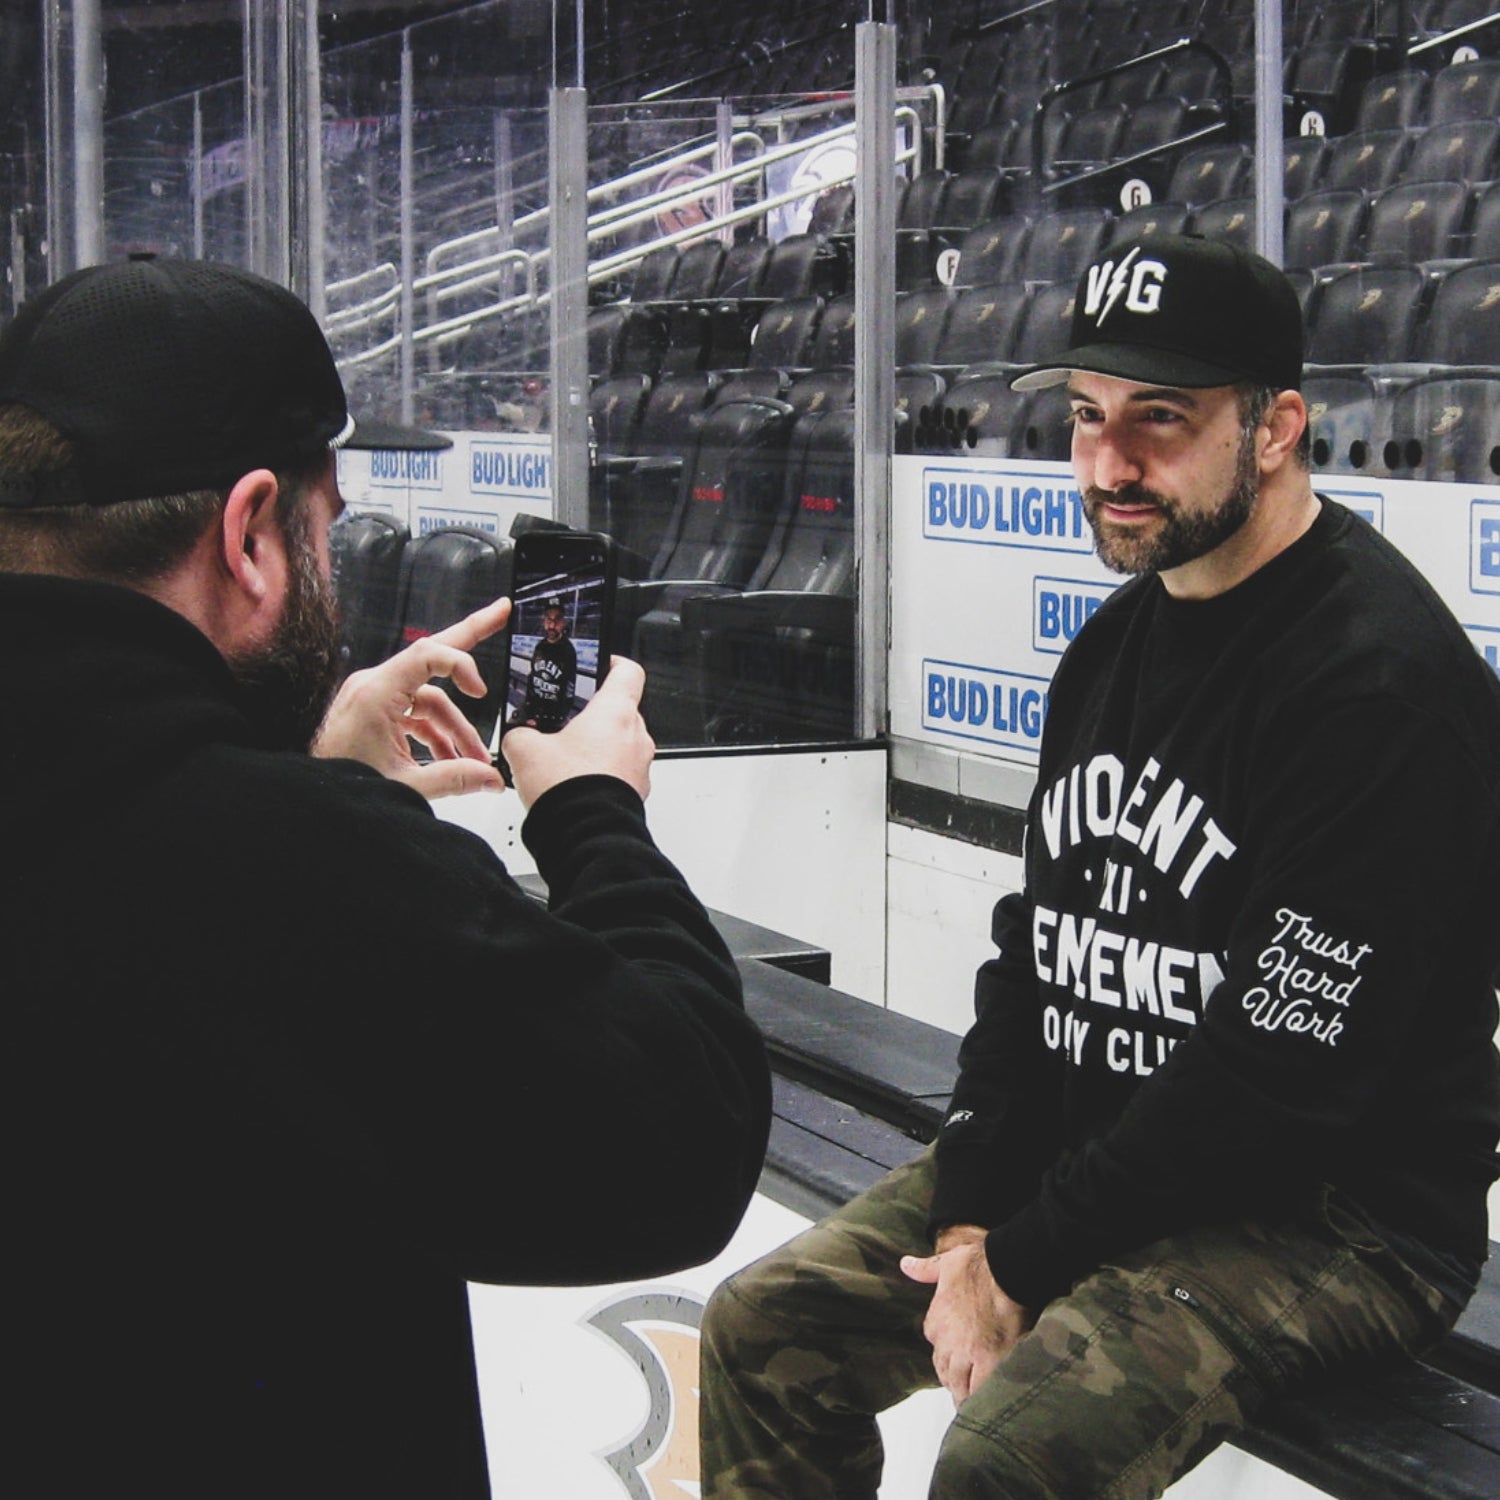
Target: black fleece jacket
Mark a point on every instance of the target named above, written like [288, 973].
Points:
[1257, 949]
[289, 1059]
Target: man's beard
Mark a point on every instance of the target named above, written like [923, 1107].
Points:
[288, 682]
[1179, 537]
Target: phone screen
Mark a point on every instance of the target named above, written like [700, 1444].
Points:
[562, 607]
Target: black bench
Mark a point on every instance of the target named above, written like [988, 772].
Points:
[860, 1089]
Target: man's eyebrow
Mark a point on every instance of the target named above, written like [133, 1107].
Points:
[1174, 394]
[1149, 397]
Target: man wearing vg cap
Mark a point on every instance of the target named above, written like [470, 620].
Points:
[1226, 1117]
[289, 1058]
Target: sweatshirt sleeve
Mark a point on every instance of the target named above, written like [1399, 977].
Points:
[540, 1096]
[1350, 1039]
[1003, 1128]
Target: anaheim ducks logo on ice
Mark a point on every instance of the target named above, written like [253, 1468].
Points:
[658, 1333]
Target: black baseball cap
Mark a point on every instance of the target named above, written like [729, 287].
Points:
[1180, 310]
[176, 375]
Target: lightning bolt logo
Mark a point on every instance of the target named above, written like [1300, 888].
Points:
[1117, 284]
[658, 1333]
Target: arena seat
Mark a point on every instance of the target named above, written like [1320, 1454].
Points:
[980, 416]
[1046, 432]
[1347, 423]
[1366, 315]
[1367, 160]
[916, 391]
[366, 548]
[1466, 91]
[833, 343]
[1447, 427]
[1063, 242]
[1301, 163]
[652, 281]
[1325, 228]
[1209, 173]
[992, 251]
[776, 662]
[1229, 219]
[921, 318]
[1484, 222]
[1465, 150]
[633, 492]
[615, 407]
[698, 268]
[783, 334]
[1043, 333]
[1149, 218]
[972, 196]
[1417, 221]
[1394, 101]
[1463, 323]
[821, 390]
[446, 574]
[730, 499]
[625, 339]
[1329, 77]
[982, 324]
[1151, 125]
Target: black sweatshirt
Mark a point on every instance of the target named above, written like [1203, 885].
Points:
[290, 1058]
[1257, 948]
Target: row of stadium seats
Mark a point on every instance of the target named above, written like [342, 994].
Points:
[1441, 426]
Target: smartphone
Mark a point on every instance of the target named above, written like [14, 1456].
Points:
[561, 625]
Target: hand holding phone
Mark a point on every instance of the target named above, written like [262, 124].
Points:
[561, 626]
[609, 738]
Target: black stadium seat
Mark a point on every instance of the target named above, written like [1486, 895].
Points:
[993, 250]
[1301, 163]
[1365, 159]
[1366, 315]
[1229, 219]
[982, 324]
[1345, 422]
[1210, 173]
[777, 661]
[1447, 427]
[1324, 228]
[729, 501]
[1394, 101]
[1465, 150]
[1463, 325]
[1466, 91]
[366, 549]
[1417, 221]
[446, 574]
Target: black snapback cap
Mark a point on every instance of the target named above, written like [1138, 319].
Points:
[1184, 311]
[175, 375]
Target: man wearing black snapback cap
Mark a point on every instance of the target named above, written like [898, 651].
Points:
[1226, 1119]
[291, 1058]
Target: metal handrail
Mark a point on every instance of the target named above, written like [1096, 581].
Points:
[1458, 31]
[1184, 44]
[482, 269]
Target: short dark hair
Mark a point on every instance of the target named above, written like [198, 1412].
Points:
[1255, 401]
[132, 542]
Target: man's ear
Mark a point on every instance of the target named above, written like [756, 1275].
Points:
[1285, 422]
[252, 550]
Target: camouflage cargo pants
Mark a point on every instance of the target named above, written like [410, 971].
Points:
[1120, 1387]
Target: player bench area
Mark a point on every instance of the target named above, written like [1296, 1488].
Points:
[858, 1089]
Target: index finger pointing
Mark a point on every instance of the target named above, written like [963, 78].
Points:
[473, 628]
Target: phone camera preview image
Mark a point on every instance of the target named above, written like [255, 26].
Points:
[559, 610]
